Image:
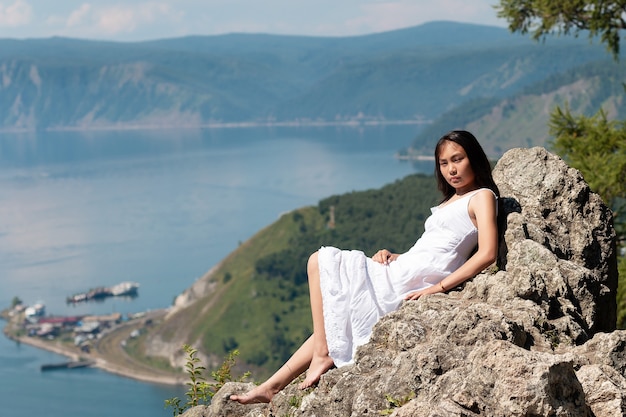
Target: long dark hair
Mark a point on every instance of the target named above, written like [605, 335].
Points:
[478, 161]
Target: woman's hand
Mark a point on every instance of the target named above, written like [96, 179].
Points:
[417, 294]
[384, 257]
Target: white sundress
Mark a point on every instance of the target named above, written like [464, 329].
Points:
[357, 291]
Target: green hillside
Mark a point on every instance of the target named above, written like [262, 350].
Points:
[409, 74]
[260, 304]
[521, 120]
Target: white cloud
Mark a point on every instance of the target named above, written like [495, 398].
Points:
[77, 17]
[92, 20]
[149, 12]
[151, 19]
[124, 18]
[16, 14]
[117, 19]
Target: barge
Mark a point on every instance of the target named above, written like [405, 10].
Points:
[66, 365]
[123, 289]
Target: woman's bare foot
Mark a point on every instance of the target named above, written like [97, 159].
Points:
[257, 395]
[319, 365]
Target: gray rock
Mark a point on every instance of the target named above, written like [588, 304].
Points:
[531, 336]
[550, 204]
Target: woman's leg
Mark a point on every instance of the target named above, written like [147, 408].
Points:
[312, 354]
[321, 361]
[296, 364]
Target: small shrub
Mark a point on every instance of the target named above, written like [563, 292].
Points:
[16, 301]
[295, 401]
[396, 402]
[200, 391]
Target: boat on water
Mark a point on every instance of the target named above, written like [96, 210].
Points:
[123, 289]
[67, 365]
[35, 311]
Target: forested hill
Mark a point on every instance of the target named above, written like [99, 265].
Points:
[410, 74]
[522, 119]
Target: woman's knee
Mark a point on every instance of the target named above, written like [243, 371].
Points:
[313, 263]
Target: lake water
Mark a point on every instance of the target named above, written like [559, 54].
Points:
[81, 210]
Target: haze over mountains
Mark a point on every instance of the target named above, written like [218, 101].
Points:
[415, 74]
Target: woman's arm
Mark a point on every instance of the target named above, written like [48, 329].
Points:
[482, 211]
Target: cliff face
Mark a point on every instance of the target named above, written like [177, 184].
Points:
[529, 337]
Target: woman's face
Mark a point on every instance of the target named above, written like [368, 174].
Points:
[455, 167]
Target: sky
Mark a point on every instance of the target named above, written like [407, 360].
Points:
[136, 20]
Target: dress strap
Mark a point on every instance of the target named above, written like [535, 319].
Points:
[480, 189]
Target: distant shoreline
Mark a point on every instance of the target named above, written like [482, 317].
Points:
[220, 125]
[415, 157]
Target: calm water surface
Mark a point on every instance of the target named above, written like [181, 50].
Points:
[81, 210]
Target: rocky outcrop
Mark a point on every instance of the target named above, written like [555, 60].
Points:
[532, 336]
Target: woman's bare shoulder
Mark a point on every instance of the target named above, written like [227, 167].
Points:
[483, 197]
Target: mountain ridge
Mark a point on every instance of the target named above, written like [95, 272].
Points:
[411, 74]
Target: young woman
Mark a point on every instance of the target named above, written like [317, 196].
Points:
[350, 292]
